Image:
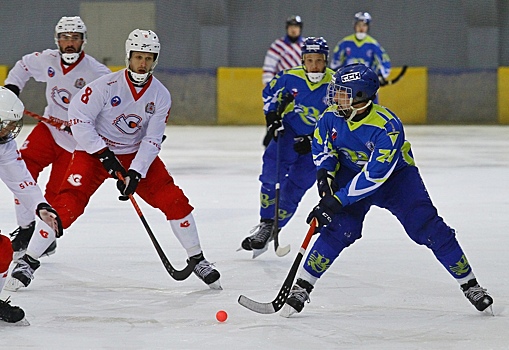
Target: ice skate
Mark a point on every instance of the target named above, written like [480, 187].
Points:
[12, 314]
[205, 271]
[260, 237]
[299, 295]
[20, 238]
[478, 296]
[22, 274]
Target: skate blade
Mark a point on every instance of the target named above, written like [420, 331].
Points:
[287, 311]
[216, 285]
[258, 252]
[22, 322]
[489, 310]
[13, 285]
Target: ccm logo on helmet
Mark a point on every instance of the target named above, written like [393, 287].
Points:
[350, 77]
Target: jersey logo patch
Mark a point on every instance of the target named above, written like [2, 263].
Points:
[61, 97]
[79, 83]
[185, 224]
[44, 234]
[115, 101]
[128, 124]
[74, 179]
[150, 108]
[51, 72]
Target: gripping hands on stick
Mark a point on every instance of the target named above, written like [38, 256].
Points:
[110, 162]
[325, 210]
[128, 186]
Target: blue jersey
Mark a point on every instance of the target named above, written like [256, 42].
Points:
[373, 148]
[309, 98]
[367, 51]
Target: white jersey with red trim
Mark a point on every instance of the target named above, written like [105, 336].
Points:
[63, 82]
[16, 177]
[112, 112]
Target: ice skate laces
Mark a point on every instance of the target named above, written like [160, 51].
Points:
[476, 293]
[24, 268]
[299, 293]
[264, 232]
[203, 268]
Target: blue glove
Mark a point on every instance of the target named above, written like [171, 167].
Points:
[325, 210]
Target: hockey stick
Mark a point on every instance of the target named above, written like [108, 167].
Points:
[398, 77]
[52, 122]
[280, 251]
[178, 275]
[276, 304]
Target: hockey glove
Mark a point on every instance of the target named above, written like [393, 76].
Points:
[50, 216]
[128, 186]
[302, 144]
[325, 210]
[110, 162]
[325, 182]
[274, 125]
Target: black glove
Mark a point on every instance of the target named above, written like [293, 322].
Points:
[325, 210]
[274, 125]
[325, 182]
[382, 81]
[50, 216]
[110, 162]
[128, 186]
[302, 144]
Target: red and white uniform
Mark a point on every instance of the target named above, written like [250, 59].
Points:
[48, 145]
[112, 112]
[63, 82]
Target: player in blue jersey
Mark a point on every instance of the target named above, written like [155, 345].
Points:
[360, 47]
[363, 159]
[302, 90]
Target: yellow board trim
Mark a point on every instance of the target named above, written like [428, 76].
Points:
[503, 95]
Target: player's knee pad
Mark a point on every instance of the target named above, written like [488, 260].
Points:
[343, 231]
[175, 204]
[5, 253]
[321, 256]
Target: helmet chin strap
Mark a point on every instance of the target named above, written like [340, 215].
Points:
[138, 78]
[355, 110]
[70, 58]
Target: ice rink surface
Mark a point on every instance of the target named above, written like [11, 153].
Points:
[106, 288]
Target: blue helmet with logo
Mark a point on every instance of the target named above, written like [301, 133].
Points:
[315, 45]
[352, 85]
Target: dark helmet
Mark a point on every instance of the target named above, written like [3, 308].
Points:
[294, 21]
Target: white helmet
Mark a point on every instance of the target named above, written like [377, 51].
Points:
[71, 25]
[11, 115]
[142, 41]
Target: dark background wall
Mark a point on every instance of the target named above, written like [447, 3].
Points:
[462, 42]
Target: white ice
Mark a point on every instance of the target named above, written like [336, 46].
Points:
[106, 288]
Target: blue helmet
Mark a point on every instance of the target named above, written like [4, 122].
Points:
[315, 45]
[362, 17]
[351, 85]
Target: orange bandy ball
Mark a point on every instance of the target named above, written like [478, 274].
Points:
[221, 315]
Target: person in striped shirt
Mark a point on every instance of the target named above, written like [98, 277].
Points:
[284, 52]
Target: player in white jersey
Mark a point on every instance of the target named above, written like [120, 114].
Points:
[65, 71]
[118, 121]
[16, 177]
[284, 52]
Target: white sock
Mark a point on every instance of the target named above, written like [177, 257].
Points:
[464, 280]
[306, 276]
[3, 277]
[186, 232]
[41, 240]
[24, 217]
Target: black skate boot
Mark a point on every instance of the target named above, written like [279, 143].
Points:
[205, 271]
[299, 295]
[9, 313]
[20, 238]
[261, 236]
[23, 273]
[477, 295]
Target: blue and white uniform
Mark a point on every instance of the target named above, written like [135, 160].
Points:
[373, 165]
[299, 118]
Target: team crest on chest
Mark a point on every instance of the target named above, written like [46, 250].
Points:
[61, 97]
[150, 108]
[79, 83]
[115, 101]
[51, 72]
[129, 124]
